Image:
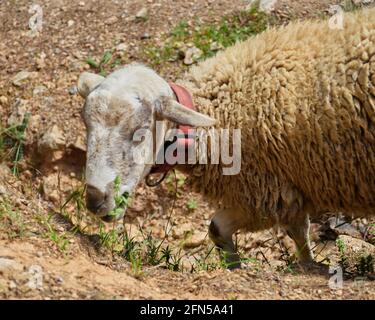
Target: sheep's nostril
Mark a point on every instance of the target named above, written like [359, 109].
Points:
[94, 198]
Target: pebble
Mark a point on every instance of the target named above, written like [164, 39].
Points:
[73, 90]
[3, 100]
[59, 280]
[19, 109]
[3, 191]
[146, 35]
[142, 14]
[20, 78]
[12, 285]
[122, 47]
[52, 139]
[195, 241]
[8, 263]
[192, 55]
[111, 20]
[39, 90]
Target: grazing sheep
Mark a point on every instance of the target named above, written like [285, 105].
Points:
[304, 99]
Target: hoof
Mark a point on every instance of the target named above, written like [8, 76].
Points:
[233, 265]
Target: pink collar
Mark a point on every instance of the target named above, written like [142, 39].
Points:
[183, 97]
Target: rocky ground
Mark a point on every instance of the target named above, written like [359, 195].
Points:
[51, 248]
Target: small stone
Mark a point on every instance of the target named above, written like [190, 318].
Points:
[20, 78]
[12, 285]
[59, 280]
[3, 100]
[70, 23]
[40, 63]
[266, 6]
[19, 110]
[111, 20]
[39, 90]
[3, 191]
[195, 240]
[52, 139]
[79, 143]
[180, 231]
[142, 14]
[146, 35]
[192, 55]
[9, 264]
[73, 90]
[122, 47]
[214, 46]
[81, 3]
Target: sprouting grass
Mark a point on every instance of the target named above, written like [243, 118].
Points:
[343, 261]
[12, 223]
[121, 200]
[13, 139]
[209, 38]
[365, 265]
[173, 182]
[77, 197]
[192, 204]
[60, 239]
[145, 252]
[100, 66]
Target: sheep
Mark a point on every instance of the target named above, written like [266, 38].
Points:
[303, 97]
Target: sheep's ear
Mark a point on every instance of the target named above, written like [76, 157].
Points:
[176, 112]
[87, 82]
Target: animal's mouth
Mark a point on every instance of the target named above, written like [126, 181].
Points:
[109, 215]
[112, 218]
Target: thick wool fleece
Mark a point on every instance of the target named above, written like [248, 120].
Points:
[304, 99]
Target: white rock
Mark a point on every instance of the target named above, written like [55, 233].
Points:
[122, 47]
[79, 143]
[20, 78]
[19, 110]
[39, 90]
[264, 5]
[3, 191]
[180, 231]
[9, 264]
[111, 20]
[52, 139]
[142, 14]
[356, 246]
[195, 240]
[192, 55]
[70, 23]
[3, 100]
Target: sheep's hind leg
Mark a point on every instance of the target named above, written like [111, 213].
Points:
[299, 232]
[223, 225]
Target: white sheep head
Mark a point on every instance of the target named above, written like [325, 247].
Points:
[126, 103]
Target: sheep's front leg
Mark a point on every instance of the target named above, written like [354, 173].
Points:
[298, 230]
[223, 225]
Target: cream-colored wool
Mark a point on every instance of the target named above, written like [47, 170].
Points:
[304, 99]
